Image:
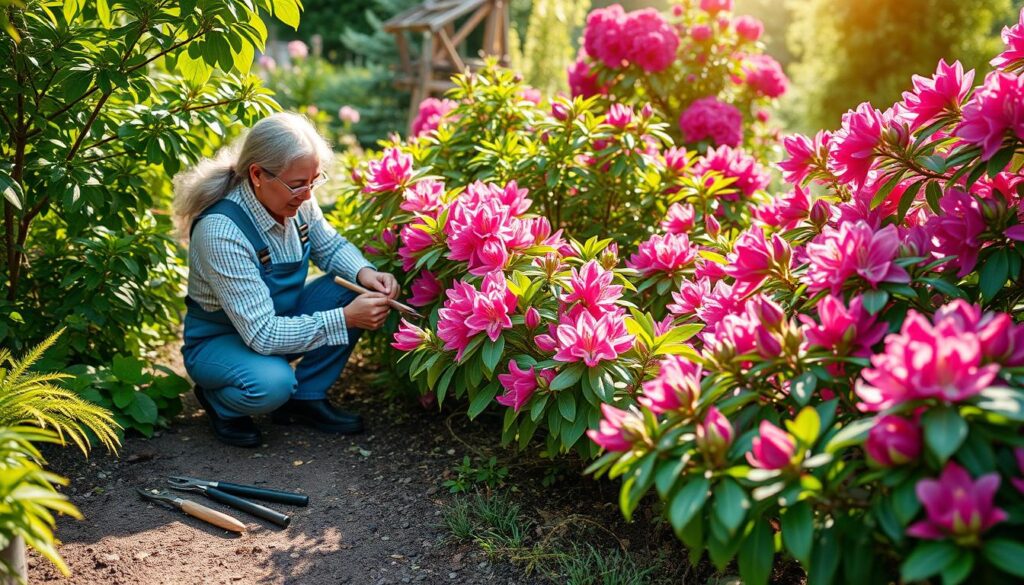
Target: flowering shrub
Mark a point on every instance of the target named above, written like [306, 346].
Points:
[699, 66]
[855, 397]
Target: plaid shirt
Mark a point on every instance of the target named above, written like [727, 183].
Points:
[223, 274]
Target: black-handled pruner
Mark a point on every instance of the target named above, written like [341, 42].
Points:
[225, 494]
[238, 489]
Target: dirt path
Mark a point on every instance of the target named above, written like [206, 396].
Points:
[374, 514]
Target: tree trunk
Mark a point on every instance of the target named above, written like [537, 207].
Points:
[14, 557]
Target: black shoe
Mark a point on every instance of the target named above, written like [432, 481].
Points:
[240, 432]
[319, 415]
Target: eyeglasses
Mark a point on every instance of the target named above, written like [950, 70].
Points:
[296, 191]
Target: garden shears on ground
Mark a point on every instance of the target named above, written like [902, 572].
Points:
[218, 519]
[228, 493]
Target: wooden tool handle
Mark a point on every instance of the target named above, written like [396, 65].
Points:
[402, 308]
[212, 516]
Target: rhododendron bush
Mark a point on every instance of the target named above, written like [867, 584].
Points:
[858, 396]
[702, 67]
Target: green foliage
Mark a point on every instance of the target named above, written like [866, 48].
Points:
[467, 475]
[495, 522]
[548, 50]
[94, 124]
[33, 398]
[851, 52]
[587, 565]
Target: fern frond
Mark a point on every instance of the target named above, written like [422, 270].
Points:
[19, 367]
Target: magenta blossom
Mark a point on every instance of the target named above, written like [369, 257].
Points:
[415, 237]
[676, 388]
[1013, 37]
[619, 116]
[805, 155]
[785, 211]
[426, 289]
[700, 32]
[604, 37]
[925, 361]
[519, 385]
[408, 337]
[592, 340]
[735, 164]
[893, 440]
[714, 6]
[773, 449]
[943, 93]
[423, 197]
[753, 260]
[749, 27]
[764, 75]
[995, 112]
[690, 296]
[391, 172]
[854, 249]
[592, 287]
[618, 429]
[957, 230]
[852, 148]
[1002, 340]
[650, 42]
[468, 312]
[844, 331]
[679, 219]
[430, 114]
[668, 254]
[583, 81]
[957, 507]
[531, 318]
[708, 118]
[714, 436]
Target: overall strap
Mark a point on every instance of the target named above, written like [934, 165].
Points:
[303, 229]
[240, 218]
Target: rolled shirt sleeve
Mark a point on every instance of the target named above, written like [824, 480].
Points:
[221, 256]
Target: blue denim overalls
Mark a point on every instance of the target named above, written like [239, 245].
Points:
[238, 381]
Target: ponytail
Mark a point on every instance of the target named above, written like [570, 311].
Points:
[203, 185]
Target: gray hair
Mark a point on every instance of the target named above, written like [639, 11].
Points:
[273, 143]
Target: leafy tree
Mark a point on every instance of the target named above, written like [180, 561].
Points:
[100, 104]
[851, 52]
[548, 50]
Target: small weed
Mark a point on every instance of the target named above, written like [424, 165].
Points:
[493, 522]
[458, 517]
[469, 474]
[587, 565]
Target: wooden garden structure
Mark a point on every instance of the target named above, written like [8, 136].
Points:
[444, 26]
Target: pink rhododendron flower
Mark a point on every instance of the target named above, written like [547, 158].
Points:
[408, 337]
[531, 318]
[803, 155]
[592, 287]
[714, 436]
[531, 94]
[852, 148]
[677, 160]
[650, 42]
[425, 289]
[297, 50]
[423, 197]
[592, 340]
[714, 6]
[854, 249]
[619, 116]
[753, 260]
[995, 112]
[431, 112]
[583, 81]
[925, 361]
[618, 429]
[700, 32]
[957, 507]
[669, 254]
[415, 237]
[773, 449]
[708, 118]
[676, 388]
[764, 75]
[468, 312]
[690, 297]
[844, 331]
[1013, 38]
[734, 163]
[956, 231]
[679, 219]
[604, 38]
[942, 93]
[1002, 340]
[348, 114]
[391, 172]
[718, 304]
[786, 211]
[711, 226]
[893, 440]
[749, 27]
[519, 385]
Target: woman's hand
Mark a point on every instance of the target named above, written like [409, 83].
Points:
[367, 311]
[381, 282]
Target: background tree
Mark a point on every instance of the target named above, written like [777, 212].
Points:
[548, 50]
[850, 52]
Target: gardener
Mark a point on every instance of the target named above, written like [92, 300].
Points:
[254, 226]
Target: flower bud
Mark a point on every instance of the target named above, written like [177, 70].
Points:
[714, 437]
[711, 226]
[560, 111]
[647, 112]
[821, 213]
[609, 257]
[893, 440]
[772, 449]
[532, 318]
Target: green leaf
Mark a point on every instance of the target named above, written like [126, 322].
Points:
[1001, 159]
[932, 194]
[127, 369]
[928, 559]
[287, 11]
[731, 504]
[907, 199]
[944, 431]
[958, 570]
[756, 555]
[492, 353]
[806, 426]
[1005, 554]
[103, 11]
[483, 398]
[1008, 402]
[875, 300]
[993, 273]
[853, 433]
[798, 531]
[802, 387]
[567, 377]
[687, 502]
[567, 405]
[824, 558]
[143, 409]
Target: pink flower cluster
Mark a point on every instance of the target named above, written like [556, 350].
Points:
[676, 388]
[1012, 58]
[764, 76]
[618, 430]
[944, 360]
[520, 384]
[753, 260]
[773, 448]
[430, 114]
[844, 331]
[854, 249]
[391, 172]
[941, 94]
[893, 440]
[642, 37]
[957, 506]
[668, 254]
[995, 113]
[852, 148]
[714, 120]
[735, 163]
[468, 312]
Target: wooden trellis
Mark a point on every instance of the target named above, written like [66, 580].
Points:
[440, 56]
